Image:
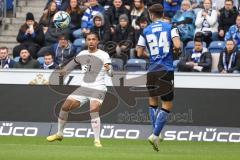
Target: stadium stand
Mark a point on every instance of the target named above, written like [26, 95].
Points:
[10, 26]
[135, 65]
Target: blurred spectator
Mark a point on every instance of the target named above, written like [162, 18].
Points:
[229, 60]
[105, 3]
[47, 18]
[228, 15]
[61, 4]
[137, 11]
[30, 36]
[113, 13]
[124, 31]
[87, 23]
[198, 60]
[124, 37]
[76, 15]
[234, 33]
[5, 60]
[87, 19]
[63, 51]
[53, 33]
[142, 22]
[26, 61]
[206, 22]
[184, 20]
[49, 62]
[171, 7]
[152, 2]
[102, 29]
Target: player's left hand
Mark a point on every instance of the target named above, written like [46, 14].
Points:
[107, 67]
[177, 52]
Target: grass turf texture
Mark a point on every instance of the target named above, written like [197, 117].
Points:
[37, 148]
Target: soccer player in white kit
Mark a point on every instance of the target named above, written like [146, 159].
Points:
[93, 88]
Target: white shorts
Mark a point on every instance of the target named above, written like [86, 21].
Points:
[84, 94]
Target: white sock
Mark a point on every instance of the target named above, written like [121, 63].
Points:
[95, 122]
[62, 119]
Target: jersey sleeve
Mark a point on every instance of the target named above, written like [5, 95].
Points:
[141, 41]
[174, 32]
[106, 59]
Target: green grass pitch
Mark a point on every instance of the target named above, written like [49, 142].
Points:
[37, 148]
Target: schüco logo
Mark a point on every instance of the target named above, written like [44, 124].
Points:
[209, 135]
[8, 129]
[107, 131]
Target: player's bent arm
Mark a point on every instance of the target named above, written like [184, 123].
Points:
[69, 67]
[109, 70]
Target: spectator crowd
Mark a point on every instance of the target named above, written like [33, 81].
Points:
[206, 27]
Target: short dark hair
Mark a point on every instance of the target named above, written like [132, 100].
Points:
[198, 39]
[229, 1]
[3, 48]
[157, 10]
[93, 33]
[49, 54]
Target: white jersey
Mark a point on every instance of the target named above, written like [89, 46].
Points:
[93, 67]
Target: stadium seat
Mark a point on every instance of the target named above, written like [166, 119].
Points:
[136, 65]
[117, 64]
[190, 46]
[215, 60]
[216, 46]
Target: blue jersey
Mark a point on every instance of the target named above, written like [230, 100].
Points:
[157, 37]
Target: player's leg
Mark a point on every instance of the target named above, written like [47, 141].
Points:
[165, 84]
[153, 109]
[153, 100]
[68, 105]
[95, 120]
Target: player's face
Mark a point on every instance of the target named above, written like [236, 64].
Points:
[24, 54]
[73, 3]
[3, 54]
[230, 45]
[92, 42]
[48, 59]
[198, 46]
[53, 7]
[117, 3]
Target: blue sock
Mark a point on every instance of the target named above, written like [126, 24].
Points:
[153, 110]
[160, 121]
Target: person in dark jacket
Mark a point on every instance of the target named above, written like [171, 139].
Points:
[63, 50]
[229, 60]
[5, 60]
[26, 61]
[46, 19]
[114, 12]
[124, 38]
[198, 60]
[49, 62]
[30, 36]
[227, 18]
[124, 31]
[102, 29]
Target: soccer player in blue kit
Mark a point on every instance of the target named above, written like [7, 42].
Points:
[162, 42]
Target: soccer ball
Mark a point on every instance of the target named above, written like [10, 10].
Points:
[61, 19]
